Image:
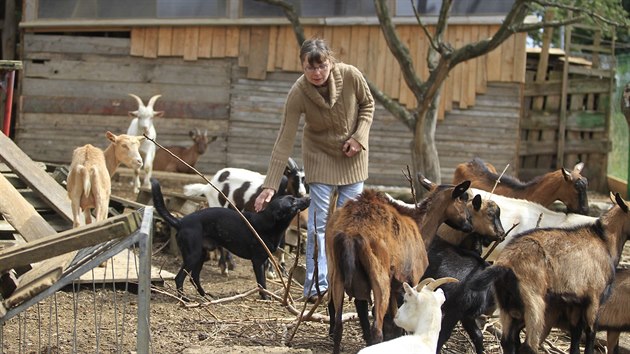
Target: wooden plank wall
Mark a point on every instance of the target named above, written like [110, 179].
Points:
[266, 49]
[76, 88]
[488, 130]
[588, 114]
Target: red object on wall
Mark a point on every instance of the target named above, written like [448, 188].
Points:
[10, 78]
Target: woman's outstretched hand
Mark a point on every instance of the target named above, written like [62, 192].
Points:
[263, 199]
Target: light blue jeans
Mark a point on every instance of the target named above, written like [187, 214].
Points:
[318, 214]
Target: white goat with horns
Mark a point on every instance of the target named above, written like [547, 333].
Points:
[142, 124]
[420, 314]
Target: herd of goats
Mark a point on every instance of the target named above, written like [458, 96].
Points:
[549, 270]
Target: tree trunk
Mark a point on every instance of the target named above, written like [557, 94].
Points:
[423, 150]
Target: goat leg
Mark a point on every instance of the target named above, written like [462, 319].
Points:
[363, 313]
[470, 326]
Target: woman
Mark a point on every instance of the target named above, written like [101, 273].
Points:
[338, 107]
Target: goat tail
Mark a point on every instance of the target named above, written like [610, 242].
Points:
[344, 248]
[86, 180]
[158, 203]
[482, 280]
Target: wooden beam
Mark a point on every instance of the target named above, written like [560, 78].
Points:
[21, 214]
[37, 179]
[68, 241]
[258, 55]
[165, 41]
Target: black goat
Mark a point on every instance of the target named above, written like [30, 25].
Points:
[449, 260]
[462, 303]
[242, 187]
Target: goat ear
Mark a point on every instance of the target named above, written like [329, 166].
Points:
[192, 134]
[440, 295]
[566, 174]
[132, 114]
[622, 203]
[110, 136]
[158, 114]
[292, 165]
[460, 189]
[578, 167]
[408, 289]
[477, 202]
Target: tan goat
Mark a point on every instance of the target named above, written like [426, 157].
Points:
[89, 179]
[567, 270]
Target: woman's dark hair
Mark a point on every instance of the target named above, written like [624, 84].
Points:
[316, 51]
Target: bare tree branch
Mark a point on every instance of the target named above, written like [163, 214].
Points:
[515, 16]
[424, 28]
[442, 23]
[292, 16]
[399, 111]
[398, 49]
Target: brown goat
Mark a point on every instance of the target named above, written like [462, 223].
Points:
[613, 315]
[375, 245]
[165, 162]
[485, 214]
[567, 270]
[89, 178]
[486, 222]
[567, 187]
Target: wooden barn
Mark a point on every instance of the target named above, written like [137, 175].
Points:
[226, 66]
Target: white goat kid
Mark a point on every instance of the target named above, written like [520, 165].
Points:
[89, 178]
[420, 314]
[142, 124]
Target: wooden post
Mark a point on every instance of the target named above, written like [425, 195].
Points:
[562, 124]
[543, 60]
[144, 283]
[625, 96]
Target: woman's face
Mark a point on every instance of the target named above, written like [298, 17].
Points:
[318, 73]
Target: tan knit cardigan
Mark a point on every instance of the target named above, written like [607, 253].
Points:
[327, 125]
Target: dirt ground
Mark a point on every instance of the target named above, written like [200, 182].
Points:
[97, 318]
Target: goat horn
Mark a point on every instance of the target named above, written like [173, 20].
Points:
[292, 164]
[424, 282]
[152, 101]
[435, 284]
[140, 103]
